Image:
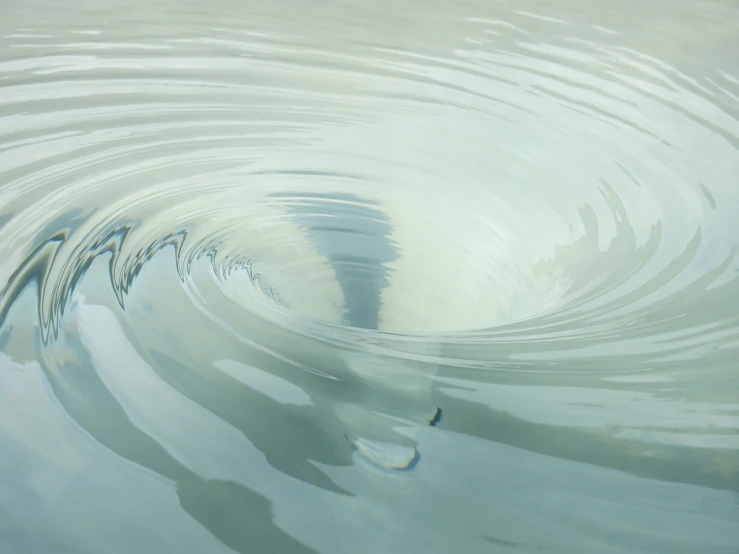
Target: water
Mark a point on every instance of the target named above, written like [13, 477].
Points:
[292, 277]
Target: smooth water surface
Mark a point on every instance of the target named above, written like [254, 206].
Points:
[369, 277]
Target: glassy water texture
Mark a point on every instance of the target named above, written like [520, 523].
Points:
[369, 277]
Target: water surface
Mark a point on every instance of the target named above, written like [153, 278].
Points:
[369, 277]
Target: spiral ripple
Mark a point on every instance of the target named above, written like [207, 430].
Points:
[369, 262]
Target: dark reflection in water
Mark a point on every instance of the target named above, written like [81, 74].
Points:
[590, 446]
[239, 517]
[314, 436]
[4, 218]
[354, 235]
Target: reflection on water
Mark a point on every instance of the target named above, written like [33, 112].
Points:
[354, 239]
[333, 277]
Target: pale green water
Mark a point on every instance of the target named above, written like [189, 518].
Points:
[343, 277]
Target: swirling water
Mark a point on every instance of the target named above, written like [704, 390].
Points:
[286, 277]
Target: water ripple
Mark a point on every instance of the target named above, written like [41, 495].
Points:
[281, 259]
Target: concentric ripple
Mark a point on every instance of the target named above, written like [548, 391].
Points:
[369, 277]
